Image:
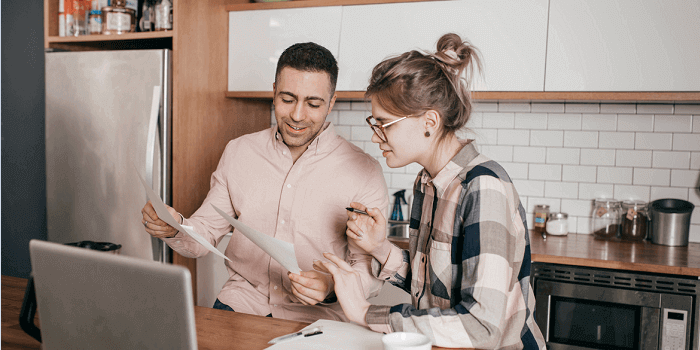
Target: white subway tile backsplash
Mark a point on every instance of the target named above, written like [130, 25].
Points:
[694, 232]
[531, 121]
[633, 158]
[614, 175]
[372, 149]
[483, 136]
[475, 120]
[696, 123]
[529, 188]
[403, 180]
[635, 122]
[578, 173]
[592, 191]
[643, 108]
[547, 107]
[654, 177]
[485, 107]
[616, 140]
[413, 168]
[514, 107]
[597, 156]
[653, 141]
[563, 155]
[544, 172]
[334, 117]
[498, 153]
[668, 192]
[356, 118]
[361, 133]
[515, 170]
[573, 222]
[673, 123]
[687, 109]
[359, 144]
[627, 192]
[624, 108]
[549, 138]
[582, 108]
[529, 154]
[498, 120]
[564, 122]
[599, 122]
[585, 139]
[577, 207]
[513, 137]
[671, 160]
[553, 203]
[362, 106]
[344, 131]
[584, 226]
[342, 106]
[685, 178]
[686, 142]
[695, 160]
[561, 190]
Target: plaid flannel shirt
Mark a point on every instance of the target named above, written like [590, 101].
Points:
[468, 263]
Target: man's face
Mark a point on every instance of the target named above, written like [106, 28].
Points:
[302, 102]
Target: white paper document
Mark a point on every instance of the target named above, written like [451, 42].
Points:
[279, 250]
[336, 335]
[164, 215]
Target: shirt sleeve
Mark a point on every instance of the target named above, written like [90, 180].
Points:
[206, 221]
[478, 319]
[373, 195]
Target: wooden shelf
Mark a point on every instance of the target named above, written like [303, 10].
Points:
[127, 36]
[308, 3]
[597, 96]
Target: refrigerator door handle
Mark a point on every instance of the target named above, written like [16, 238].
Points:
[152, 135]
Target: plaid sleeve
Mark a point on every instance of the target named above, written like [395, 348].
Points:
[483, 257]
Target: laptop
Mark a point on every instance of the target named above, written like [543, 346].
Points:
[88, 299]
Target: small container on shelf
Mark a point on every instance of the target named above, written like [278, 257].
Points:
[95, 22]
[634, 220]
[539, 224]
[606, 218]
[118, 19]
[164, 15]
[557, 224]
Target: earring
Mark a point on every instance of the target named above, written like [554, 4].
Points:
[427, 133]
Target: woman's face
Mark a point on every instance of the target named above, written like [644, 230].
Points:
[405, 140]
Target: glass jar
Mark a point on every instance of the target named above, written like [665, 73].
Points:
[95, 22]
[164, 15]
[606, 218]
[540, 212]
[118, 19]
[557, 224]
[634, 220]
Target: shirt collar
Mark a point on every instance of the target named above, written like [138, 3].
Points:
[323, 142]
[453, 168]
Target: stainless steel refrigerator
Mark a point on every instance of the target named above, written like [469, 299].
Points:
[107, 115]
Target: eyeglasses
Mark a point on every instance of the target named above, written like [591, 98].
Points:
[379, 128]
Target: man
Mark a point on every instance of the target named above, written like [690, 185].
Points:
[293, 182]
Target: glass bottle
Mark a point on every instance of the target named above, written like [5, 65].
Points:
[606, 218]
[118, 19]
[634, 220]
[164, 15]
[95, 22]
[558, 224]
[539, 224]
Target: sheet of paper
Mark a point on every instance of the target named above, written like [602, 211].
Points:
[164, 215]
[279, 250]
[336, 335]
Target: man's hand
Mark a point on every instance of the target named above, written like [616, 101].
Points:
[311, 287]
[348, 289]
[154, 225]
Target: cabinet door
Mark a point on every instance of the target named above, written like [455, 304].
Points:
[624, 45]
[258, 38]
[511, 36]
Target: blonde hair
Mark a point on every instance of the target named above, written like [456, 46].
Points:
[416, 82]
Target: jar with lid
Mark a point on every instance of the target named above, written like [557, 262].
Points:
[634, 220]
[606, 218]
[95, 22]
[164, 15]
[557, 224]
[540, 212]
[118, 19]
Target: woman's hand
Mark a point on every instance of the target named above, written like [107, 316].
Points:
[154, 225]
[311, 287]
[366, 232]
[348, 288]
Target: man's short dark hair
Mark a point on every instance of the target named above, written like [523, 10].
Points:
[309, 57]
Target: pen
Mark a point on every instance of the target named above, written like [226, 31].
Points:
[305, 333]
[357, 211]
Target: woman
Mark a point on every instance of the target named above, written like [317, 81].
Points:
[468, 263]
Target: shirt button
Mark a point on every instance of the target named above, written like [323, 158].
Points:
[289, 185]
[282, 222]
[275, 287]
[284, 152]
[274, 305]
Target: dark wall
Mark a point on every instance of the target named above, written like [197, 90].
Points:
[23, 168]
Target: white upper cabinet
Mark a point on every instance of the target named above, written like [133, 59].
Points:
[258, 38]
[511, 36]
[623, 45]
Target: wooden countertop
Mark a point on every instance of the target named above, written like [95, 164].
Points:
[585, 250]
[216, 329]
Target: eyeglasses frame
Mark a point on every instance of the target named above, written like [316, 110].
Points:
[379, 128]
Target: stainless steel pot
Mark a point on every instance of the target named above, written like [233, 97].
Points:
[398, 228]
[670, 221]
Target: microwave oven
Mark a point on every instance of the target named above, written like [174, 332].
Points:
[582, 308]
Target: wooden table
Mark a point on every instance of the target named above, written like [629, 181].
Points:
[216, 329]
